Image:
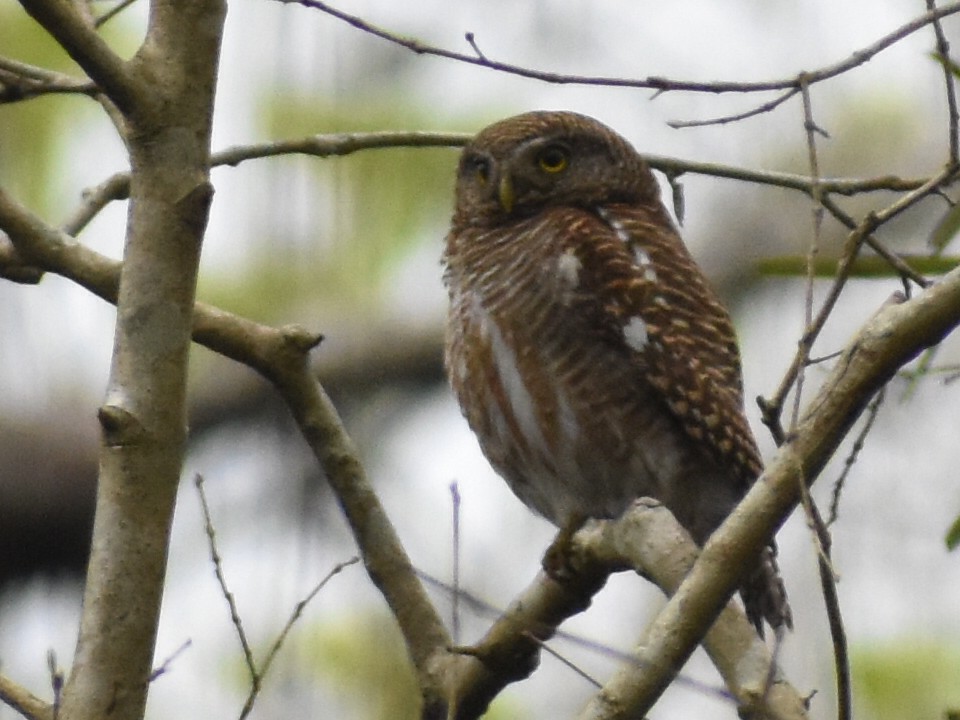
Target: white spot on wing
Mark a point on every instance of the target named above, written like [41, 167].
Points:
[642, 259]
[568, 267]
[616, 225]
[640, 256]
[635, 333]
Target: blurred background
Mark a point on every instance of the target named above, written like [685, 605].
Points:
[350, 247]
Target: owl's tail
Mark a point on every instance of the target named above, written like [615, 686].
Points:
[764, 595]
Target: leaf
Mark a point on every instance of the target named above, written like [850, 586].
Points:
[867, 266]
[953, 535]
[945, 230]
[906, 677]
[947, 63]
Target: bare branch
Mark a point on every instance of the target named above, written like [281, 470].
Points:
[112, 12]
[943, 52]
[117, 187]
[338, 144]
[224, 590]
[298, 612]
[737, 117]
[23, 701]
[71, 29]
[872, 411]
[649, 539]
[771, 408]
[838, 634]
[168, 661]
[659, 84]
[20, 81]
[913, 270]
[865, 266]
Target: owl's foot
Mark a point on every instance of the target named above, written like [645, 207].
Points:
[558, 560]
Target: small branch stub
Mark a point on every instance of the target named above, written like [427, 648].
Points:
[120, 427]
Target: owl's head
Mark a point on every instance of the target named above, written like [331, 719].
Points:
[518, 166]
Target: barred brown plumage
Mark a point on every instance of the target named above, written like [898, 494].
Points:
[585, 346]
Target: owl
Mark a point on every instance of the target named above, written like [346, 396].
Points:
[588, 353]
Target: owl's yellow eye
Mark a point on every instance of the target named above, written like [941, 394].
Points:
[553, 159]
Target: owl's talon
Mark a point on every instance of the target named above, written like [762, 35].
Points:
[558, 561]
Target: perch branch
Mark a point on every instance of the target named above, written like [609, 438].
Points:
[889, 340]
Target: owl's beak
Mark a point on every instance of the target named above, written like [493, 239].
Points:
[505, 193]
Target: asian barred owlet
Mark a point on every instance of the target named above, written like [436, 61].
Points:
[588, 353]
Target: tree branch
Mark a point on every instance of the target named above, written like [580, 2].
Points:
[771, 409]
[659, 84]
[68, 27]
[20, 81]
[23, 701]
[650, 540]
[117, 186]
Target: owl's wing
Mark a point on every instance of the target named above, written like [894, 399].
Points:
[650, 298]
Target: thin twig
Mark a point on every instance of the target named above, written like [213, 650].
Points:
[56, 681]
[943, 50]
[771, 408]
[218, 569]
[838, 633]
[871, 415]
[21, 81]
[810, 130]
[724, 119]
[455, 612]
[257, 675]
[892, 259]
[165, 665]
[569, 663]
[115, 187]
[112, 12]
[297, 612]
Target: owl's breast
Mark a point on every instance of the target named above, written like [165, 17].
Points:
[565, 417]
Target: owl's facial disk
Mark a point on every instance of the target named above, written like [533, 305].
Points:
[524, 178]
[517, 167]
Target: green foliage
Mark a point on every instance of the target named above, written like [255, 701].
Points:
[946, 229]
[357, 216]
[953, 535]
[898, 680]
[365, 661]
[32, 131]
[865, 266]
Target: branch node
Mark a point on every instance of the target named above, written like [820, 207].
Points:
[299, 339]
[120, 426]
[470, 38]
